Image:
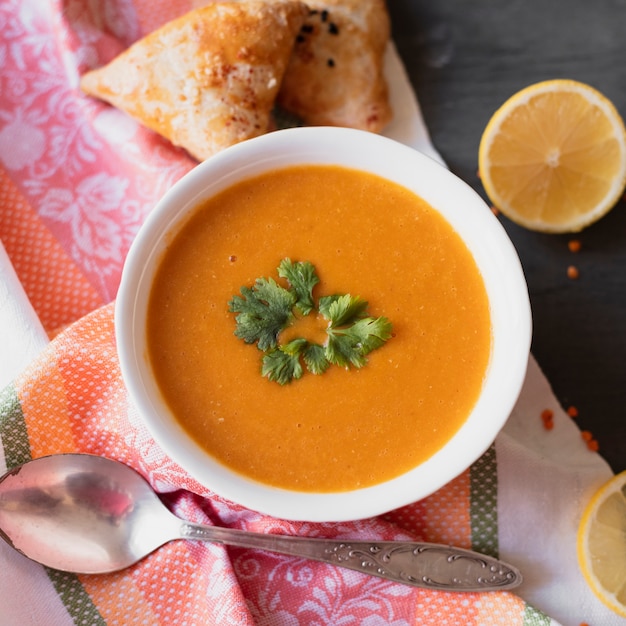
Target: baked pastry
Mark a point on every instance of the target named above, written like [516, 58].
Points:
[335, 74]
[208, 79]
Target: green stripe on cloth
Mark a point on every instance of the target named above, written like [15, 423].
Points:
[533, 617]
[13, 433]
[14, 438]
[484, 503]
[75, 599]
[484, 519]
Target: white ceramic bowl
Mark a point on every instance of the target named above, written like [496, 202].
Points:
[454, 199]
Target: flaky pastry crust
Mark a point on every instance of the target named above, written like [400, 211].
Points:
[208, 79]
[335, 75]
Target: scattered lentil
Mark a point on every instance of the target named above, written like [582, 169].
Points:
[547, 417]
[589, 439]
[572, 411]
[593, 445]
[572, 272]
[574, 245]
[495, 210]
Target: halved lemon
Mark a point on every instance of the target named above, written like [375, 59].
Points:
[553, 156]
[602, 543]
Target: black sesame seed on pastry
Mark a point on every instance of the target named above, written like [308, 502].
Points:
[335, 74]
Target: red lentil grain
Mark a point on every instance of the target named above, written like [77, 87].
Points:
[574, 245]
[547, 417]
[572, 411]
[572, 272]
[495, 210]
[588, 438]
[586, 435]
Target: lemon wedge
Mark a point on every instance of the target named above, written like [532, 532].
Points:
[601, 544]
[553, 157]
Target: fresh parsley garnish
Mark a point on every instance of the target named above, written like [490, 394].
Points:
[263, 311]
[302, 278]
[266, 309]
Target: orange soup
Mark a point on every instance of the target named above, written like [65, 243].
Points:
[345, 428]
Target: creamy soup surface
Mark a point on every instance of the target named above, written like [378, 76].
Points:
[343, 429]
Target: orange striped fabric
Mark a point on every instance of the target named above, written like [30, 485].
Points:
[55, 285]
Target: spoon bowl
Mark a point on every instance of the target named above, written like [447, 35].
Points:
[87, 514]
[82, 513]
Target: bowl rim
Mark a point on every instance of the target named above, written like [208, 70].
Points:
[464, 209]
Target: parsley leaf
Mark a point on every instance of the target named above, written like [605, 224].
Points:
[263, 312]
[315, 358]
[350, 345]
[302, 278]
[341, 310]
[267, 308]
[283, 364]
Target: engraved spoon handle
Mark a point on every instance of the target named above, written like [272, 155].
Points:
[427, 565]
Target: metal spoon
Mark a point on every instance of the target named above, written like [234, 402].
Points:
[88, 514]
